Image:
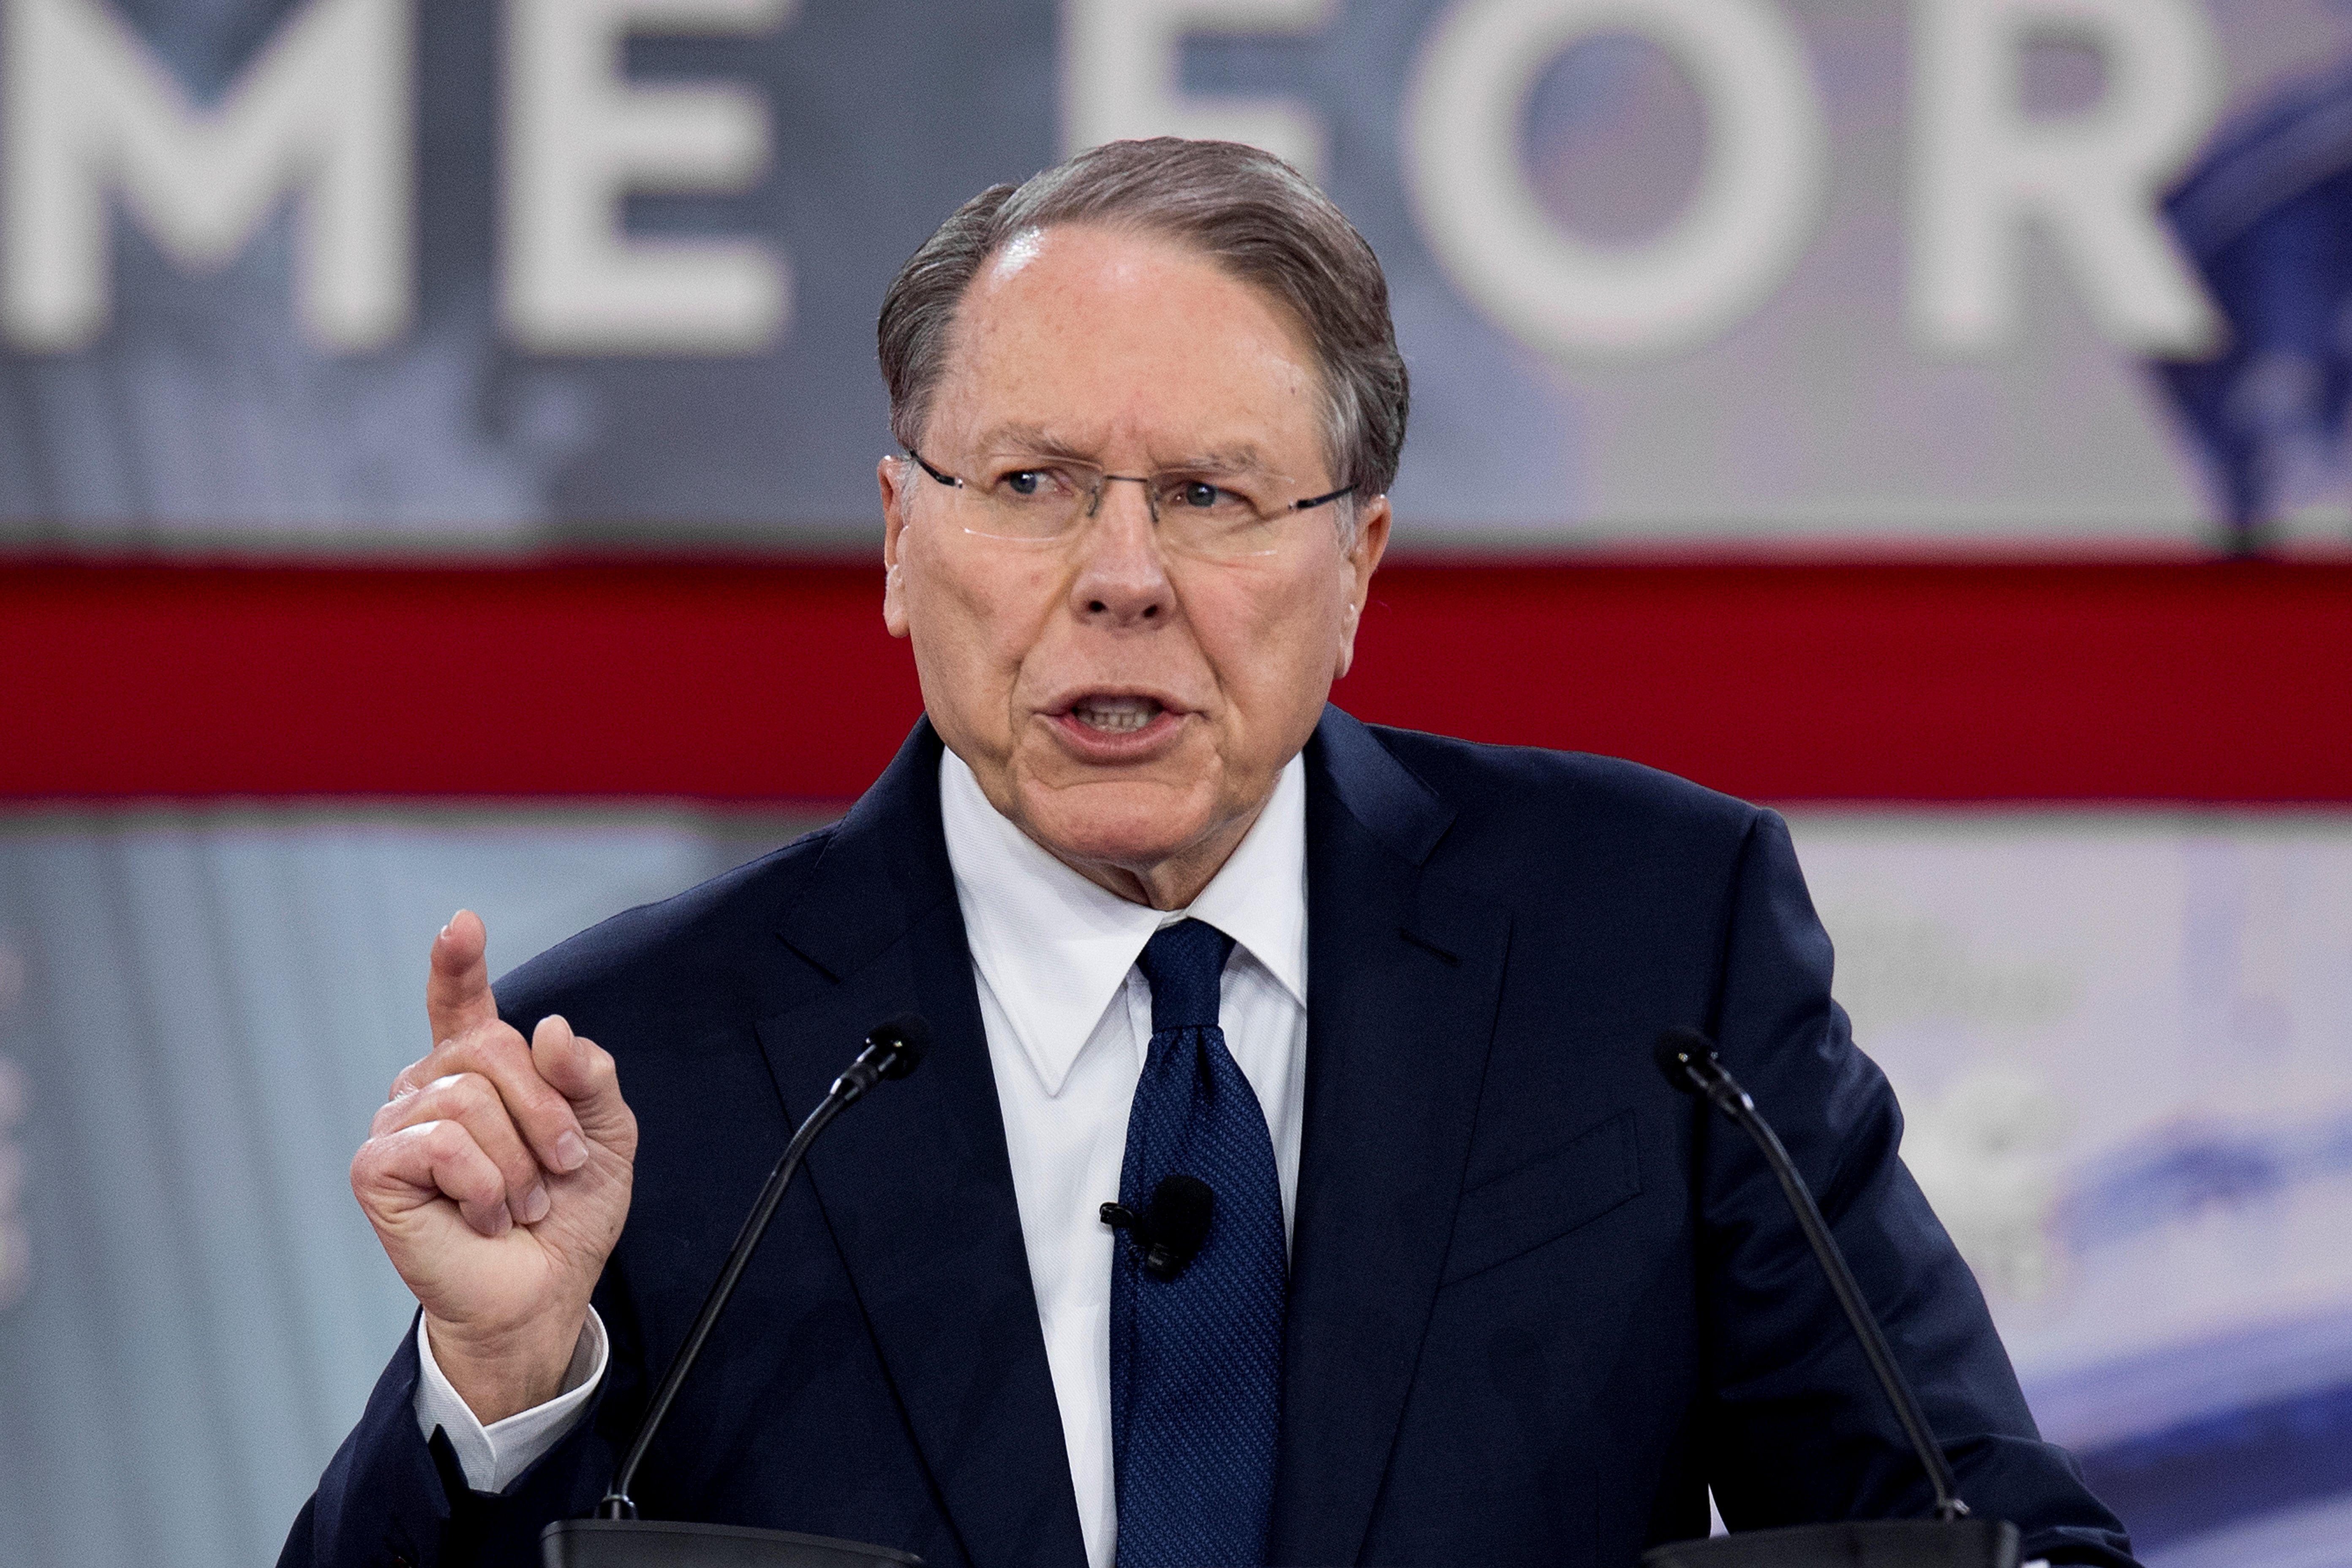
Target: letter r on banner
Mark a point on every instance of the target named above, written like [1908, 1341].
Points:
[1981, 171]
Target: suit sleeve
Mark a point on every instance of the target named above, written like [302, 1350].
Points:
[391, 1499]
[1797, 1430]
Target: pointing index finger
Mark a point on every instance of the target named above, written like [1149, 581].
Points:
[458, 988]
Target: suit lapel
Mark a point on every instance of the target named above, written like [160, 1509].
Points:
[916, 1186]
[1404, 975]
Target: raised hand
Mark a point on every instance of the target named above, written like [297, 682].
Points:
[498, 1176]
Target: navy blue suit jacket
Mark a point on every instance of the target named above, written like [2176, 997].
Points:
[1538, 1302]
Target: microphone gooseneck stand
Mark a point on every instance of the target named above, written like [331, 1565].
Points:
[616, 1537]
[1950, 1540]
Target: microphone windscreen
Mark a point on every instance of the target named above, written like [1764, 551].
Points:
[1181, 1206]
[911, 1038]
[1677, 1052]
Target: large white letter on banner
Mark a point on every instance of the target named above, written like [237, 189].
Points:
[1980, 169]
[90, 114]
[579, 138]
[1768, 153]
[1119, 78]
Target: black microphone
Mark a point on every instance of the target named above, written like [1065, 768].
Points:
[1169, 1232]
[615, 1536]
[1687, 1059]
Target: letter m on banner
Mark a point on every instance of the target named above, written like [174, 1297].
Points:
[91, 116]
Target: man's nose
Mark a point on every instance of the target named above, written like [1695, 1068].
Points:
[1121, 580]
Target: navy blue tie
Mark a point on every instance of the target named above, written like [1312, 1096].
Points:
[1196, 1360]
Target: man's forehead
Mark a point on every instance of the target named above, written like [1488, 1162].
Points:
[1017, 253]
[1083, 277]
[1121, 350]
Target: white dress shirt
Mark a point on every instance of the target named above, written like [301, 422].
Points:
[1068, 1019]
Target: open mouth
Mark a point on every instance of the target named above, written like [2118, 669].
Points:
[1116, 715]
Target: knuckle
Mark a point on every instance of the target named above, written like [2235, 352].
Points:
[467, 1093]
[501, 1056]
[603, 1072]
[498, 1037]
[441, 1140]
[432, 1064]
[461, 1170]
[477, 1102]
[463, 1048]
[541, 1106]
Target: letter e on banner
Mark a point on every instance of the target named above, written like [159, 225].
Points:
[1755, 210]
[579, 138]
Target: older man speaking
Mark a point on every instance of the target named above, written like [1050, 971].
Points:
[1478, 1284]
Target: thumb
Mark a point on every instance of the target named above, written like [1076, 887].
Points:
[584, 1072]
[458, 989]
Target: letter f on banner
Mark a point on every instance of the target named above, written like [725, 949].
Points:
[91, 115]
[1982, 170]
[1120, 75]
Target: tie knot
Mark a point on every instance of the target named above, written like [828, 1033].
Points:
[1182, 963]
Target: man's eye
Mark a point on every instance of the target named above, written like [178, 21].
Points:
[1025, 482]
[1196, 494]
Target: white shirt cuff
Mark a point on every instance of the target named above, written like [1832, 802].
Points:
[493, 1456]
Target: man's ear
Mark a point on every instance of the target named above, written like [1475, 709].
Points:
[891, 473]
[1361, 560]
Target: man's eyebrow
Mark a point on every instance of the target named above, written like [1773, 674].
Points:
[1244, 458]
[1037, 440]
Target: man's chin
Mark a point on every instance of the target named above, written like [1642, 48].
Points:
[1132, 824]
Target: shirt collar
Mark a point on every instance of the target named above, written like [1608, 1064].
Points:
[1054, 948]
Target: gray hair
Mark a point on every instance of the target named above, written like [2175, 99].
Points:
[1249, 211]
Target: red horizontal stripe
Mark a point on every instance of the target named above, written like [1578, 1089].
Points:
[767, 681]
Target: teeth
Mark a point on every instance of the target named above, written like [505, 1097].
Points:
[1116, 715]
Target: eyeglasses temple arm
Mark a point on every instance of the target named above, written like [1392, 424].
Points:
[1310, 502]
[948, 480]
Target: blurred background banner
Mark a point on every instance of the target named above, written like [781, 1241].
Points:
[2123, 1040]
[414, 272]
[436, 450]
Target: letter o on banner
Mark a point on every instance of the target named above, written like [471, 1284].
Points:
[1757, 203]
